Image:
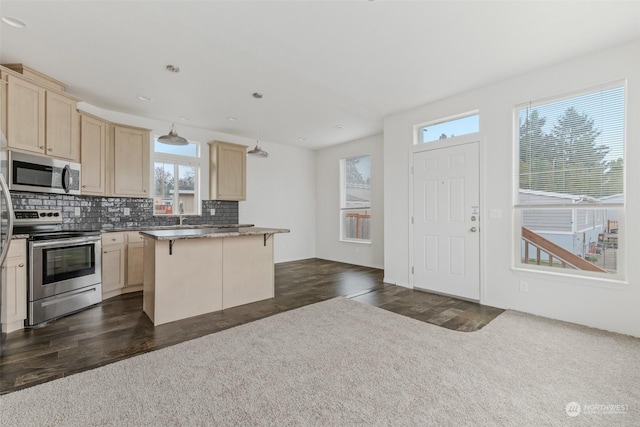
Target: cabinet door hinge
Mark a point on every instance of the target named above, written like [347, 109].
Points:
[412, 270]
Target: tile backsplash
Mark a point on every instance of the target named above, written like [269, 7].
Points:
[107, 213]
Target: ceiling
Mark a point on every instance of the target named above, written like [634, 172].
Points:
[329, 71]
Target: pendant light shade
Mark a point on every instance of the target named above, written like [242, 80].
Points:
[172, 138]
[257, 151]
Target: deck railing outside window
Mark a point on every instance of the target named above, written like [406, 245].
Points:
[357, 225]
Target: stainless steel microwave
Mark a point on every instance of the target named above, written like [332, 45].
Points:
[41, 174]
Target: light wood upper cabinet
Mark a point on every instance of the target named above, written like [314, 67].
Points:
[130, 161]
[62, 127]
[93, 144]
[40, 120]
[25, 115]
[228, 170]
[3, 112]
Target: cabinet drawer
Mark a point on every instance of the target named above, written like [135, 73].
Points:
[134, 237]
[17, 248]
[112, 238]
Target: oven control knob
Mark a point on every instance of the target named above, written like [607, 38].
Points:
[43, 214]
[50, 214]
[56, 214]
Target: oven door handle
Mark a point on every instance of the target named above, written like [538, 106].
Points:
[65, 242]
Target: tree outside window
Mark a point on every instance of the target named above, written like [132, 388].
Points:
[570, 181]
[176, 181]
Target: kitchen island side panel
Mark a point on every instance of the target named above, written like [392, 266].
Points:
[148, 284]
[188, 282]
[248, 269]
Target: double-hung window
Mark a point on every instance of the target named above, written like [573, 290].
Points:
[176, 178]
[569, 197]
[355, 199]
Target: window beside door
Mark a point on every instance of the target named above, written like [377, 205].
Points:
[570, 182]
[355, 199]
[176, 178]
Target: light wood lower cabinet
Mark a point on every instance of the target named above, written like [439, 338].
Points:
[14, 287]
[122, 263]
[135, 260]
[113, 264]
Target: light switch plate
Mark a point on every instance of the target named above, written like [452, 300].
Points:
[127, 211]
[213, 212]
[76, 211]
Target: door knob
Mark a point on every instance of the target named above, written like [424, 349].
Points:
[473, 229]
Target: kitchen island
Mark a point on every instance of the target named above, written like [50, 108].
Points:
[195, 270]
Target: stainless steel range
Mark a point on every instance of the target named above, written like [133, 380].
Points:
[64, 266]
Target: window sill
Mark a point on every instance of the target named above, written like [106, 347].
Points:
[360, 242]
[614, 282]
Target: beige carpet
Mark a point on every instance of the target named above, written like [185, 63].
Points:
[341, 363]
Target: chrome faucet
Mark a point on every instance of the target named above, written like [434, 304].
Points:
[181, 213]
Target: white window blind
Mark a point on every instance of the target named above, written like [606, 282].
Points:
[571, 150]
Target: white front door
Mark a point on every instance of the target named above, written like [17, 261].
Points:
[446, 220]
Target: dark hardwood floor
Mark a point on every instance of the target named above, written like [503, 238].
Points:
[117, 328]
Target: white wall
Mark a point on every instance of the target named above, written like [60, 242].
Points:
[280, 188]
[328, 244]
[281, 193]
[613, 306]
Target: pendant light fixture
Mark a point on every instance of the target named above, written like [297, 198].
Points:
[172, 138]
[257, 151]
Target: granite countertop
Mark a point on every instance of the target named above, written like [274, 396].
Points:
[175, 227]
[196, 233]
[19, 236]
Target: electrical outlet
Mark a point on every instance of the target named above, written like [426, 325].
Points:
[76, 211]
[127, 211]
[213, 212]
[524, 286]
